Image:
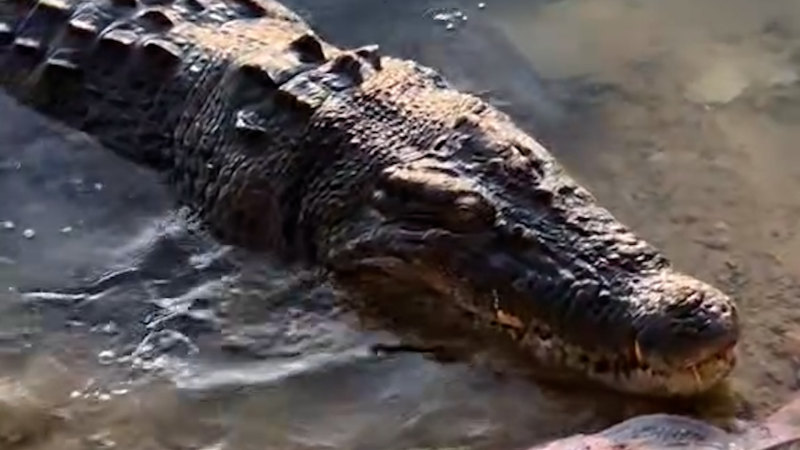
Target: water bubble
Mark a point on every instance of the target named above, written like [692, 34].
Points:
[481, 5]
[66, 230]
[441, 17]
[450, 18]
[107, 328]
[29, 233]
[106, 356]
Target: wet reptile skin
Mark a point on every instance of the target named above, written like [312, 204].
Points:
[374, 169]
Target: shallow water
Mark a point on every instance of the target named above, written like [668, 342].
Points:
[121, 328]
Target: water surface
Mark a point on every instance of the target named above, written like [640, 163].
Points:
[121, 327]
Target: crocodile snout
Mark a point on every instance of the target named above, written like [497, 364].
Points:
[685, 322]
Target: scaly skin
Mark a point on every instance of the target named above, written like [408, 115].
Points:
[375, 169]
[781, 430]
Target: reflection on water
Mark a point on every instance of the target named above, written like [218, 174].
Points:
[121, 328]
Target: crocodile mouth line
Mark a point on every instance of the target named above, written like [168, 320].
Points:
[701, 374]
[696, 369]
[631, 370]
[556, 356]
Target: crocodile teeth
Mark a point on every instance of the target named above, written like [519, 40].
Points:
[696, 374]
[637, 350]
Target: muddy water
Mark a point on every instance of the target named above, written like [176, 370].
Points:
[123, 328]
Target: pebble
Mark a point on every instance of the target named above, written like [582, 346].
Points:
[29, 233]
[66, 230]
[450, 26]
[8, 225]
[481, 5]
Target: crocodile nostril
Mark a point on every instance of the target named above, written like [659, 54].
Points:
[693, 321]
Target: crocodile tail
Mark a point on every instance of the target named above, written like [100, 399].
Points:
[85, 63]
[111, 68]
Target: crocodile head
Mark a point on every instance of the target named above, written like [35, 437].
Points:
[499, 229]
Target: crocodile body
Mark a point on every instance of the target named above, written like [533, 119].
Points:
[374, 168]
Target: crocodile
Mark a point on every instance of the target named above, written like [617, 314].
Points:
[781, 430]
[375, 170]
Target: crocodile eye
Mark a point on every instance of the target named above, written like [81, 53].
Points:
[473, 207]
[427, 197]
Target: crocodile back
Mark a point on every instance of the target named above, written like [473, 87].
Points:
[128, 72]
[184, 86]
